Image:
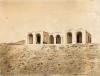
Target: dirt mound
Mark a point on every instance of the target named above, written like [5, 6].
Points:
[47, 60]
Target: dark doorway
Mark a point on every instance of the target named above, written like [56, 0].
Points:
[79, 37]
[58, 39]
[38, 39]
[69, 37]
[51, 39]
[30, 37]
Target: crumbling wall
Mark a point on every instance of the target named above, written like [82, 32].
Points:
[47, 60]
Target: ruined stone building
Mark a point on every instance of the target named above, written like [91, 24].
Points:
[71, 36]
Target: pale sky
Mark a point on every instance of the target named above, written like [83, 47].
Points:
[17, 17]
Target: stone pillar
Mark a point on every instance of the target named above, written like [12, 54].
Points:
[64, 38]
[41, 38]
[83, 37]
[54, 39]
[73, 37]
[34, 38]
[61, 40]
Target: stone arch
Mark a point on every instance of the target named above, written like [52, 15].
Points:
[38, 39]
[51, 39]
[69, 37]
[58, 39]
[79, 37]
[30, 38]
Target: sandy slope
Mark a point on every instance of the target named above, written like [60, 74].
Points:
[49, 60]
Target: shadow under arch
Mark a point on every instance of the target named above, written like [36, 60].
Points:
[38, 38]
[58, 39]
[79, 37]
[69, 37]
[51, 39]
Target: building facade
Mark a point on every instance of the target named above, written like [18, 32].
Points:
[71, 36]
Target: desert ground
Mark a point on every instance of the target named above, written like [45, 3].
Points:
[50, 60]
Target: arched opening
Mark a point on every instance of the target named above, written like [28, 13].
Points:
[58, 39]
[30, 37]
[90, 39]
[38, 39]
[51, 39]
[79, 37]
[69, 37]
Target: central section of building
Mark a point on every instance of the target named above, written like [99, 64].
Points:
[71, 36]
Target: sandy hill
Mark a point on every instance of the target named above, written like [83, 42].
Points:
[49, 60]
